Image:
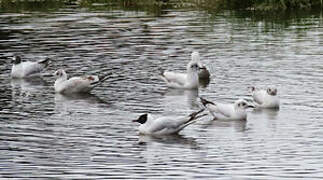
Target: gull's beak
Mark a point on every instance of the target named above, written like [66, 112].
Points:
[135, 120]
[203, 67]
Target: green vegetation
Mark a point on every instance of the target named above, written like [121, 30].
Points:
[155, 6]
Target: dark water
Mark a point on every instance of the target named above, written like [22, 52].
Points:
[46, 135]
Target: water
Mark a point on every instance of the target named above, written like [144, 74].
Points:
[46, 135]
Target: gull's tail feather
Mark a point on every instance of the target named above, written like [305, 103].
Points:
[162, 75]
[161, 72]
[192, 119]
[205, 102]
[45, 62]
[102, 78]
[252, 88]
[194, 115]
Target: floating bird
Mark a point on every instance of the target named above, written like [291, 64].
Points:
[27, 69]
[204, 74]
[236, 111]
[265, 98]
[165, 125]
[82, 84]
[190, 80]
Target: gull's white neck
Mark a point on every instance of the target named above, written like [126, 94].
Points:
[61, 79]
[192, 79]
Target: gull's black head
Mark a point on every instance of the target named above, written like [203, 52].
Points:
[272, 91]
[142, 119]
[16, 60]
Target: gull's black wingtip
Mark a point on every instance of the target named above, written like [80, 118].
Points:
[161, 72]
[205, 102]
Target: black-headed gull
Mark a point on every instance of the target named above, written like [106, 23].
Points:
[203, 72]
[82, 84]
[265, 98]
[27, 69]
[165, 125]
[236, 111]
[190, 80]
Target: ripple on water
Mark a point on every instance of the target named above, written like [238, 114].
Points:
[47, 135]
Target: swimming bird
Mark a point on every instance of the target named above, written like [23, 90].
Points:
[265, 98]
[204, 74]
[82, 84]
[236, 111]
[27, 69]
[190, 80]
[165, 125]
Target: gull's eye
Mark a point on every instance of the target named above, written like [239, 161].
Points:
[193, 65]
[243, 104]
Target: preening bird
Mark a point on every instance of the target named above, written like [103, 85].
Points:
[82, 84]
[235, 111]
[188, 80]
[27, 69]
[165, 125]
[203, 74]
[265, 98]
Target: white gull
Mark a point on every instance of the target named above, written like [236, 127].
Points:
[235, 111]
[265, 98]
[188, 80]
[165, 125]
[82, 84]
[27, 69]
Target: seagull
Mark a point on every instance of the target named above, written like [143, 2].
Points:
[204, 74]
[236, 111]
[189, 80]
[27, 69]
[265, 98]
[165, 125]
[82, 84]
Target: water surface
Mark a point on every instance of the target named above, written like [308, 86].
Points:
[47, 135]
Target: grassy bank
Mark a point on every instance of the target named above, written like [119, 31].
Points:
[155, 5]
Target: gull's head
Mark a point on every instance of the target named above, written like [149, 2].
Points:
[242, 104]
[59, 73]
[272, 91]
[195, 57]
[16, 60]
[193, 67]
[142, 119]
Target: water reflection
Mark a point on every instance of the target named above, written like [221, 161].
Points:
[133, 45]
[270, 113]
[67, 104]
[174, 98]
[239, 126]
[169, 139]
[26, 88]
[159, 149]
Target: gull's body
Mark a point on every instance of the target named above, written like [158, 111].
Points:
[265, 98]
[27, 69]
[236, 111]
[82, 84]
[165, 125]
[190, 80]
